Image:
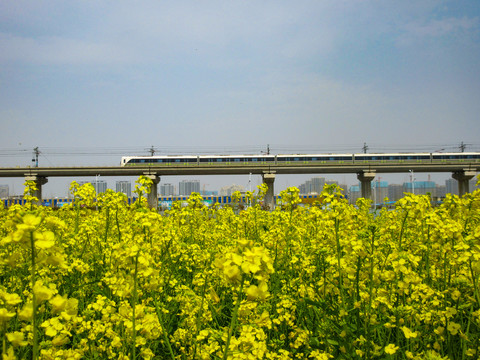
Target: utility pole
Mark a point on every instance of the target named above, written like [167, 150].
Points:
[462, 147]
[412, 179]
[36, 152]
[365, 148]
[152, 151]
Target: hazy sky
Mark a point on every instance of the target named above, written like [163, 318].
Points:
[188, 76]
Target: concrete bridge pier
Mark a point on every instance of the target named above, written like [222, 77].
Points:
[268, 178]
[152, 197]
[366, 178]
[463, 178]
[39, 181]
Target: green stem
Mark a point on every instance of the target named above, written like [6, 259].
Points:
[164, 332]
[474, 280]
[197, 330]
[134, 303]
[233, 323]
[34, 300]
[339, 256]
[4, 348]
[401, 231]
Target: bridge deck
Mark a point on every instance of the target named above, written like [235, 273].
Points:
[234, 170]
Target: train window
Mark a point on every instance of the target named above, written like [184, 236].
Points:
[177, 160]
[236, 160]
[255, 159]
[219, 159]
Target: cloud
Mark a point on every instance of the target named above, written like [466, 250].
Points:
[424, 30]
[59, 51]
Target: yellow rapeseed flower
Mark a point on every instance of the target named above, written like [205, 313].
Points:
[17, 338]
[29, 222]
[5, 315]
[391, 349]
[259, 292]
[59, 303]
[409, 333]
[453, 328]
[44, 240]
[11, 299]
[26, 314]
[42, 292]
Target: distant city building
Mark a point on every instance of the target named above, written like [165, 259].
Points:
[124, 187]
[451, 186]
[4, 191]
[229, 190]
[473, 184]
[186, 187]
[313, 186]
[167, 189]
[100, 186]
[379, 191]
[420, 187]
[395, 192]
[354, 193]
[440, 191]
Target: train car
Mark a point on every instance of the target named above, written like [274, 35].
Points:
[173, 160]
[312, 159]
[299, 159]
[409, 158]
[454, 158]
[236, 160]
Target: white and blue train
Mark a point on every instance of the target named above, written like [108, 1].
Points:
[301, 159]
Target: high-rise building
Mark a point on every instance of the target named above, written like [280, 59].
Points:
[440, 191]
[4, 191]
[313, 186]
[354, 194]
[452, 186]
[395, 192]
[167, 189]
[379, 191]
[230, 189]
[472, 185]
[186, 187]
[420, 187]
[124, 187]
[100, 186]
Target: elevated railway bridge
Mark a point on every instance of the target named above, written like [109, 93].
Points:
[461, 169]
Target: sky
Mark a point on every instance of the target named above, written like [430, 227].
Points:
[89, 81]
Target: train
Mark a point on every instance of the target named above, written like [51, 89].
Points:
[301, 159]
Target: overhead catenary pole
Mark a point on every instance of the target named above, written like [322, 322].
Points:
[412, 179]
[36, 152]
[365, 148]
